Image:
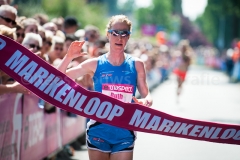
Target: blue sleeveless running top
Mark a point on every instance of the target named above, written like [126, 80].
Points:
[116, 81]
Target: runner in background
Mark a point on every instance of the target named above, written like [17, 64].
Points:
[182, 64]
[117, 75]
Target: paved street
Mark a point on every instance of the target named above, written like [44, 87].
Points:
[207, 95]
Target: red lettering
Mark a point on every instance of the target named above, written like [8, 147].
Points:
[116, 96]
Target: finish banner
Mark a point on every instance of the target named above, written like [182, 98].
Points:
[56, 88]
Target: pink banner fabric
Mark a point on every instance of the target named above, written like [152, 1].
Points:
[10, 126]
[71, 127]
[27, 132]
[55, 87]
[33, 134]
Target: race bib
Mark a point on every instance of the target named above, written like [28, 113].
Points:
[122, 92]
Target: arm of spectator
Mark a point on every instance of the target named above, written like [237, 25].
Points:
[142, 85]
[13, 88]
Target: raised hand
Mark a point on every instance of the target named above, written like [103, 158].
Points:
[75, 50]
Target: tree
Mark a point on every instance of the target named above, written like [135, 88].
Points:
[159, 13]
[92, 13]
[127, 7]
[221, 21]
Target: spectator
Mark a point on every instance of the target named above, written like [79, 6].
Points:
[236, 58]
[30, 25]
[8, 2]
[10, 33]
[98, 48]
[3, 2]
[8, 84]
[47, 44]
[91, 36]
[13, 88]
[59, 22]
[91, 33]
[41, 18]
[51, 27]
[59, 33]
[41, 32]
[20, 32]
[33, 42]
[8, 15]
[80, 34]
[229, 62]
[70, 25]
[69, 39]
[56, 50]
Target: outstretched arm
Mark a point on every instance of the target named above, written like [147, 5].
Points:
[74, 51]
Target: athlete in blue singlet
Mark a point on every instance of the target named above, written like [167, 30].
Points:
[115, 74]
[118, 82]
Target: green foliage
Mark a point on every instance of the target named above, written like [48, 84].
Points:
[162, 12]
[85, 13]
[144, 16]
[209, 24]
[216, 10]
[127, 7]
[29, 9]
[159, 14]
[56, 9]
[225, 8]
[94, 14]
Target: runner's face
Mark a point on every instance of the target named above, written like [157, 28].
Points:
[117, 39]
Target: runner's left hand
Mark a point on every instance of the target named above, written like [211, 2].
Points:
[142, 101]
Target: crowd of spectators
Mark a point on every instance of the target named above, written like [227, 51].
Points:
[227, 60]
[233, 62]
[50, 39]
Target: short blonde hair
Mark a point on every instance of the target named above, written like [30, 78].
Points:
[29, 21]
[119, 18]
[8, 32]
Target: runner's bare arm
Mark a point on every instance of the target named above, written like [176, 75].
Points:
[142, 84]
[74, 51]
[87, 67]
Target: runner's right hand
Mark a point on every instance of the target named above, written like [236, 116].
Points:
[75, 49]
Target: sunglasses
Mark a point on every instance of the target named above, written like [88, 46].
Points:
[44, 39]
[21, 35]
[92, 35]
[34, 46]
[116, 33]
[8, 20]
[60, 49]
[48, 42]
